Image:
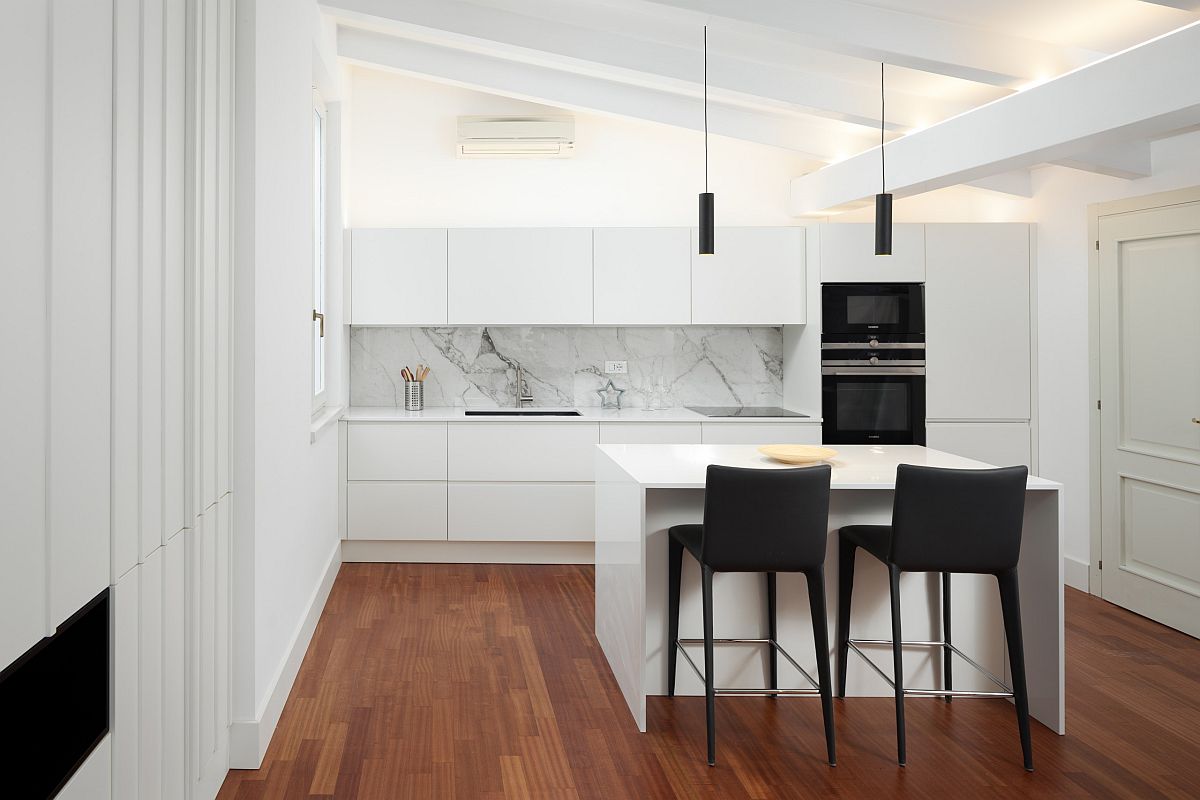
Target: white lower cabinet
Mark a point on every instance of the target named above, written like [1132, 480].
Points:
[387, 451]
[650, 433]
[522, 451]
[1001, 443]
[761, 432]
[396, 510]
[521, 512]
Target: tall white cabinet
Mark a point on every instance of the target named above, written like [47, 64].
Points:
[978, 322]
[119, 452]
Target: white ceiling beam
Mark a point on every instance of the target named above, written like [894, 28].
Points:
[1138, 94]
[815, 138]
[898, 37]
[1182, 5]
[1129, 161]
[501, 33]
[1018, 182]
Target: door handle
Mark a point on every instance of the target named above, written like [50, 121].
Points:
[319, 317]
[1196, 420]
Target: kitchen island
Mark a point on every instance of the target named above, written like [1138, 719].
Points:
[642, 490]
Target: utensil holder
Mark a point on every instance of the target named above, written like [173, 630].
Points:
[414, 396]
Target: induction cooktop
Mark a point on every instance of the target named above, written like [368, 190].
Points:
[744, 411]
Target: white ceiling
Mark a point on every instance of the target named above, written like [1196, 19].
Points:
[801, 74]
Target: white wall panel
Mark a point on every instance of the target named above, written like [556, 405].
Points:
[125, 319]
[24, 37]
[93, 780]
[125, 697]
[80, 286]
[150, 677]
[174, 316]
[174, 683]
[151, 331]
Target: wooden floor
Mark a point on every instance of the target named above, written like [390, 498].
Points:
[486, 682]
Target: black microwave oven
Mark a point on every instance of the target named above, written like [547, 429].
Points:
[873, 309]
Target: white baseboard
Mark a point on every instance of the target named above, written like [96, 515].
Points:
[1076, 573]
[248, 739]
[443, 552]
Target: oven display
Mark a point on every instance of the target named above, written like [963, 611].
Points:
[872, 309]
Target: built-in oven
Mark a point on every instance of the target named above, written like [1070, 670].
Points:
[878, 406]
[873, 363]
[873, 309]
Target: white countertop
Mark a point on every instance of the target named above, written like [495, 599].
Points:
[587, 414]
[856, 466]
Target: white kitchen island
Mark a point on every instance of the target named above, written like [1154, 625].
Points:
[642, 490]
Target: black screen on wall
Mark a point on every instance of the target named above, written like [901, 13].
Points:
[54, 704]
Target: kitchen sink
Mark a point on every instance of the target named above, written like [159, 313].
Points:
[523, 412]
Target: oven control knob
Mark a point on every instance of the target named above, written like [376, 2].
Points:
[873, 343]
[874, 360]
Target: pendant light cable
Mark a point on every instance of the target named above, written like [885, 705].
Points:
[882, 117]
[707, 228]
[883, 200]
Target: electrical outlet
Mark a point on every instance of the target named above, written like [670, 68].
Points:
[616, 367]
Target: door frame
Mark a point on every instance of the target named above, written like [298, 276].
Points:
[1095, 212]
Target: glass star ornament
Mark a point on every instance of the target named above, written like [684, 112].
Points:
[610, 395]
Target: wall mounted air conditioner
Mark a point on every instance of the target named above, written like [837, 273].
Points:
[516, 137]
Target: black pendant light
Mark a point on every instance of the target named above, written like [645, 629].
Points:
[883, 200]
[706, 197]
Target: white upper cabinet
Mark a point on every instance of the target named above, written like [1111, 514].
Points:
[520, 276]
[977, 321]
[398, 276]
[755, 277]
[848, 254]
[642, 276]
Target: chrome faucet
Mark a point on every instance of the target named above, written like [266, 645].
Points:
[524, 396]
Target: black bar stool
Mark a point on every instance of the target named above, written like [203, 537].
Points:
[944, 520]
[757, 520]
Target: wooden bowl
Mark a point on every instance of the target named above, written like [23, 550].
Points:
[797, 453]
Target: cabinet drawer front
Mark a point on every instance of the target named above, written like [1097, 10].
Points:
[650, 433]
[396, 511]
[522, 451]
[396, 451]
[762, 433]
[516, 512]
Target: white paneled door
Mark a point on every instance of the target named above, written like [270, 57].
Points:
[1149, 292]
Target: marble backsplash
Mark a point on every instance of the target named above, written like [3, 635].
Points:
[475, 366]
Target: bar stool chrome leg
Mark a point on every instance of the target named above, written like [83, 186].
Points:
[710, 697]
[898, 664]
[947, 654]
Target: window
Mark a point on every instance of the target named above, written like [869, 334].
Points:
[318, 244]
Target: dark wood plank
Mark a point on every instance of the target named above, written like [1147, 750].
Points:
[485, 681]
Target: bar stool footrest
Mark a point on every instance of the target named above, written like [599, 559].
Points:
[1008, 692]
[816, 690]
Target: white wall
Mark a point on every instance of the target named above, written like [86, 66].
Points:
[403, 171]
[288, 540]
[1059, 207]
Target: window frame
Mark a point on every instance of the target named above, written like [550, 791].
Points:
[319, 350]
